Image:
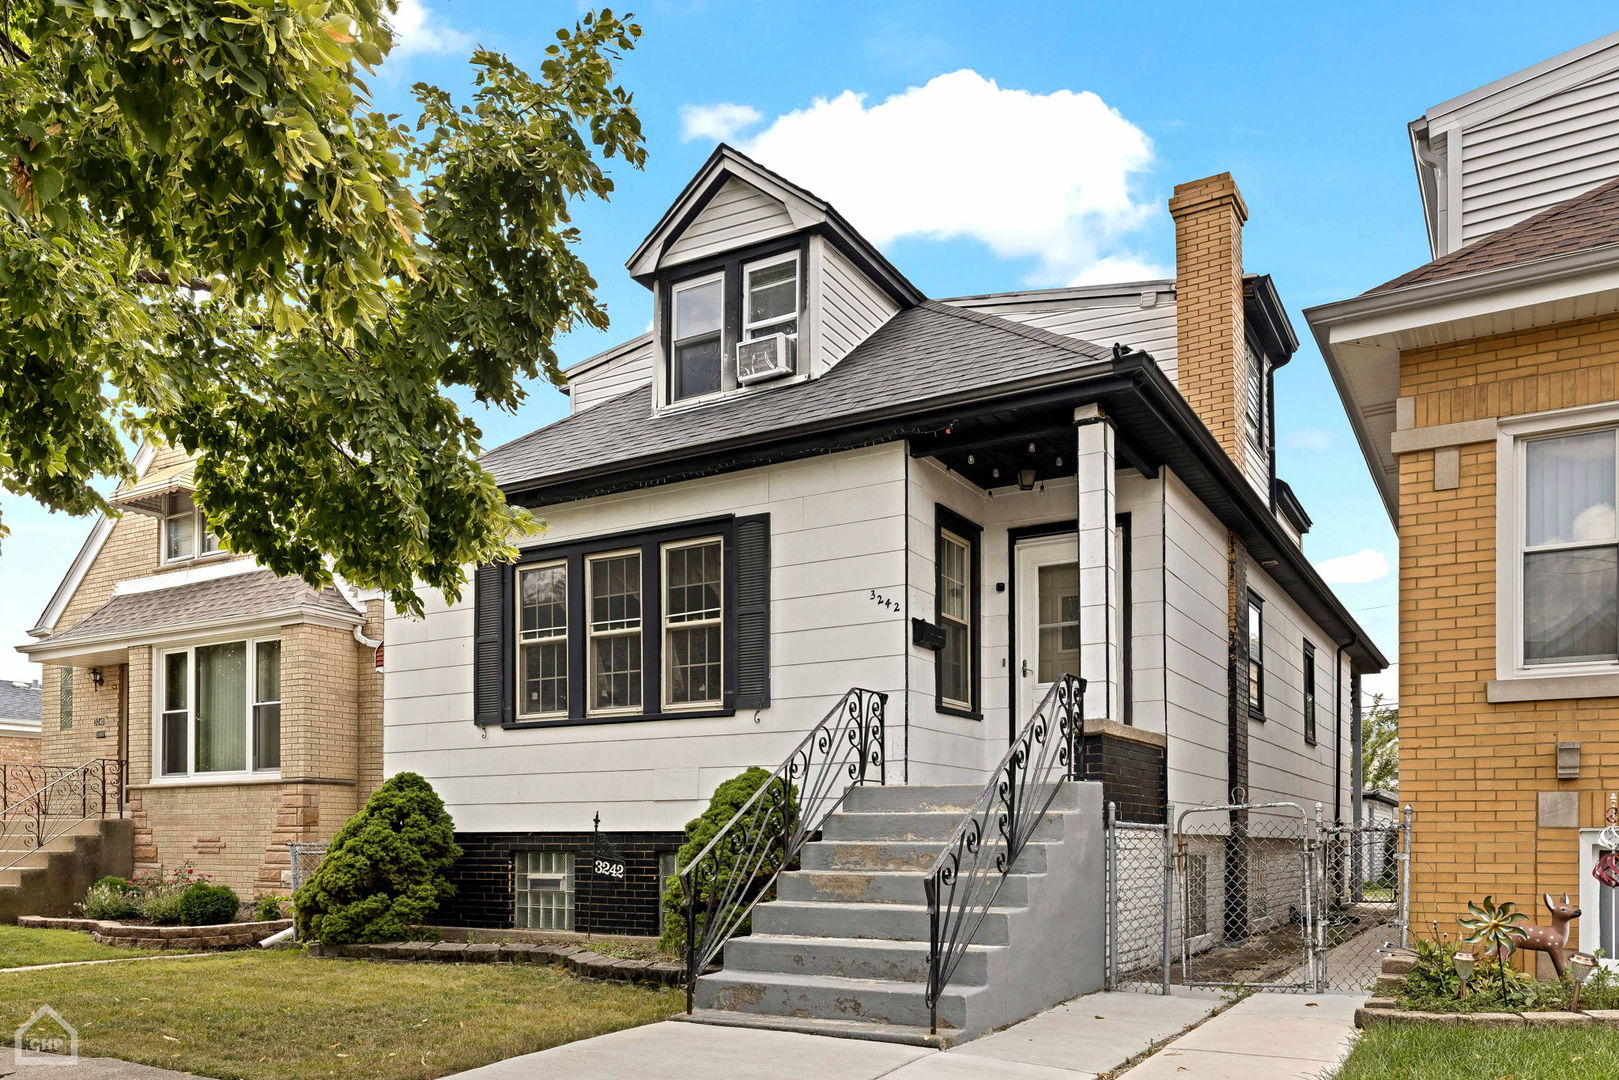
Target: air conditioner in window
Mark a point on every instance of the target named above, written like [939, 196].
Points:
[547, 882]
[762, 358]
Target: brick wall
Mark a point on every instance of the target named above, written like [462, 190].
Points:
[484, 895]
[19, 750]
[1132, 773]
[1209, 320]
[1474, 771]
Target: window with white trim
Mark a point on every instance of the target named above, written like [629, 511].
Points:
[221, 708]
[770, 296]
[693, 609]
[1256, 657]
[1568, 587]
[542, 640]
[185, 532]
[1254, 397]
[613, 597]
[696, 341]
[955, 618]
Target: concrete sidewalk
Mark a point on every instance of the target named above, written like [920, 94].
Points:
[1074, 1041]
[1264, 1037]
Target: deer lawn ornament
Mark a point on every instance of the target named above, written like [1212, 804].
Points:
[1551, 940]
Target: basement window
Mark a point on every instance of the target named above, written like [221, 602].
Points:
[545, 889]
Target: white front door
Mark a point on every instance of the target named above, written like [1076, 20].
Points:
[1046, 618]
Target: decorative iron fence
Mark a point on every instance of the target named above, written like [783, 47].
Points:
[738, 868]
[964, 880]
[56, 808]
[18, 781]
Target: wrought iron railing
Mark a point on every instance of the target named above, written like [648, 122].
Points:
[964, 880]
[739, 866]
[55, 808]
[18, 780]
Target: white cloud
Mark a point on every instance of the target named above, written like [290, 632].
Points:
[1357, 569]
[718, 122]
[1046, 177]
[1309, 439]
[418, 29]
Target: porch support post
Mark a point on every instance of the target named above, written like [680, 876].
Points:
[1099, 650]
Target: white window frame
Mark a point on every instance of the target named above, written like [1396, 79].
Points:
[665, 677]
[1511, 453]
[1254, 363]
[543, 638]
[160, 674]
[592, 635]
[751, 268]
[199, 530]
[965, 620]
[672, 360]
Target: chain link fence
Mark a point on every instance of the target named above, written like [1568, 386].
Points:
[1262, 896]
[304, 858]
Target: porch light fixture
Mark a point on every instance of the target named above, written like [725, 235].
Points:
[1463, 961]
[1580, 967]
[1025, 479]
[96, 677]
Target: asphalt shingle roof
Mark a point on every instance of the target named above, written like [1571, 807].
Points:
[255, 593]
[924, 352]
[19, 701]
[1586, 221]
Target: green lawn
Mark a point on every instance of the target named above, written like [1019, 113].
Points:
[25, 946]
[1431, 1052]
[288, 1016]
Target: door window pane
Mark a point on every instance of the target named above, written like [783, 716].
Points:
[221, 707]
[545, 888]
[1569, 605]
[1057, 605]
[692, 608]
[1570, 489]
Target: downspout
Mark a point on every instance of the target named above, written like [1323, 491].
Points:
[1338, 732]
[905, 625]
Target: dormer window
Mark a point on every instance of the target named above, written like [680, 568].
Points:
[186, 534]
[717, 314]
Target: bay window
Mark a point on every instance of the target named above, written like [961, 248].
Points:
[221, 708]
[1569, 585]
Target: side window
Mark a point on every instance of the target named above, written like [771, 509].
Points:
[64, 699]
[1256, 657]
[1309, 693]
[1254, 397]
[185, 532]
[956, 599]
[1570, 550]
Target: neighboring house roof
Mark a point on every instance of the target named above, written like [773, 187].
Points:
[1387, 798]
[19, 702]
[1582, 223]
[923, 354]
[261, 593]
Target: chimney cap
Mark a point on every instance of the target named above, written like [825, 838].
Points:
[1195, 195]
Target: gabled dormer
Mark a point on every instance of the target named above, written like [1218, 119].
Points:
[756, 284]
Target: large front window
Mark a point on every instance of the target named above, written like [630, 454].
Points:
[221, 708]
[1570, 553]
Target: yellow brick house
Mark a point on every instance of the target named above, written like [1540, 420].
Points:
[239, 710]
[1484, 388]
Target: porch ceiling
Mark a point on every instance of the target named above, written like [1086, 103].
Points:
[990, 449]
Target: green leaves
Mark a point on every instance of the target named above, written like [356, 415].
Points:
[355, 268]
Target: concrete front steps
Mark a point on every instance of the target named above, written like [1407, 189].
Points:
[51, 880]
[843, 949]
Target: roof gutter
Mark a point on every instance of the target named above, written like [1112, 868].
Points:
[55, 647]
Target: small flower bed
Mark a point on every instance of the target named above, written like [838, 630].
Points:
[179, 897]
[1432, 985]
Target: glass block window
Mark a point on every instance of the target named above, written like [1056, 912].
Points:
[544, 889]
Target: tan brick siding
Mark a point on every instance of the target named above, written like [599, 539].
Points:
[1209, 319]
[19, 750]
[1473, 770]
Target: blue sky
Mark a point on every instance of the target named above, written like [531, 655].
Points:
[1043, 157]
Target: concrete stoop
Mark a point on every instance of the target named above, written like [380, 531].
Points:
[52, 879]
[843, 948]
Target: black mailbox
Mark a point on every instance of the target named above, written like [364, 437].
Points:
[926, 634]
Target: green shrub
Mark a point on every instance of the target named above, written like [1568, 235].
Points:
[116, 882]
[159, 894]
[110, 898]
[385, 869]
[268, 907]
[728, 798]
[208, 905]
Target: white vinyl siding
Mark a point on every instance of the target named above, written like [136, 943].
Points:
[622, 373]
[850, 308]
[739, 214]
[1097, 319]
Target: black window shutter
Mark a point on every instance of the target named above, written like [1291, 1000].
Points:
[491, 647]
[753, 612]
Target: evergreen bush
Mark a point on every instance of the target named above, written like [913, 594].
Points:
[728, 798]
[208, 905]
[384, 871]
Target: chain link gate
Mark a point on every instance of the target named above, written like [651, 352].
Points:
[1265, 896]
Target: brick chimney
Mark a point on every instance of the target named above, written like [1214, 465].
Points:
[1209, 335]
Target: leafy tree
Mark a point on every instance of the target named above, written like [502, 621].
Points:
[384, 871]
[1380, 746]
[756, 837]
[208, 236]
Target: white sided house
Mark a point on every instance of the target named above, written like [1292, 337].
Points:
[808, 478]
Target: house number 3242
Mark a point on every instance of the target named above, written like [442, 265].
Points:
[883, 601]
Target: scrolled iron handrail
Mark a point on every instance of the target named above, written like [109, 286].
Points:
[739, 866]
[964, 880]
[76, 795]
